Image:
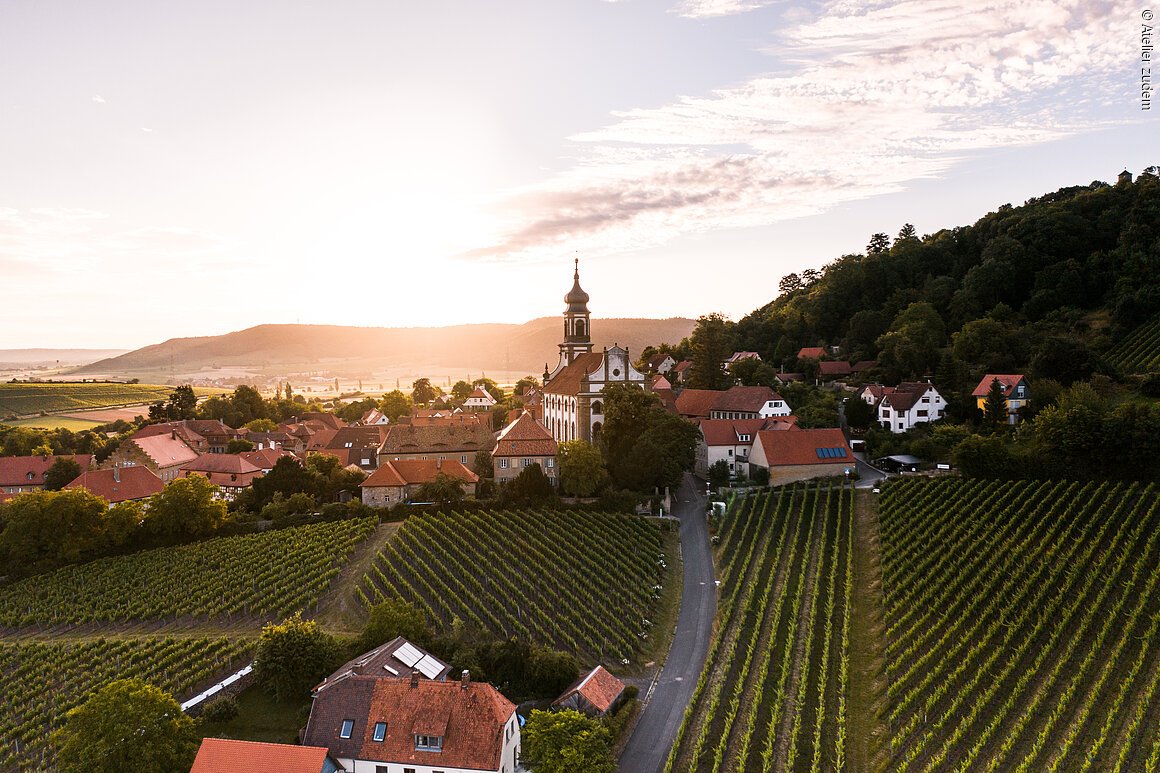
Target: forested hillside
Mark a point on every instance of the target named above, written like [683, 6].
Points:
[1050, 285]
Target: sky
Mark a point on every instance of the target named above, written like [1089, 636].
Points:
[185, 169]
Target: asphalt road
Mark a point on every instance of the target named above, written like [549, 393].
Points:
[656, 731]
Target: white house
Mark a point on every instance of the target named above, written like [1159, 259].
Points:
[730, 441]
[479, 400]
[908, 404]
[749, 402]
[375, 724]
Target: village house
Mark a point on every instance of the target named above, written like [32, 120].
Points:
[206, 436]
[573, 407]
[908, 404]
[397, 658]
[454, 440]
[680, 372]
[357, 445]
[120, 484]
[596, 694]
[731, 441]
[222, 755]
[396, 480]
[1014, 387]
[801, 455]
[373, 724]
[374, 417]
[737, 357]
[812, 353]
[21, 474]
[265, 458]
[164, 454]
[521, 444]
[231, 473]
[479, 400]
[739, 402]
[660, 363]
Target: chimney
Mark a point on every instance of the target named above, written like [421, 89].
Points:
[414, 679]
[116, 474]
[173, 434]
[464, 679]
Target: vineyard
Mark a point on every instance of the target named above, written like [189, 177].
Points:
[53, 397]
[271, 574]
[1139, 351]
[586, 583]
[39, 683]
[773, 693]
[1021, 625]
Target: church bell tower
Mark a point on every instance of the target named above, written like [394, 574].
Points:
[577, 324]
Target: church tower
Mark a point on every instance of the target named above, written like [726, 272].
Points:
[577, 325]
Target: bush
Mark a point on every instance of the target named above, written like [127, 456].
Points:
[221, 709]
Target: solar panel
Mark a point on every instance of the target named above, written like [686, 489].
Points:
[429, 667]
[830, 453]
[409, 654]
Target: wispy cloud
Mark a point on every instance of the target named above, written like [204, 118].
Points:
[880, 94]
[705, 9]
[98, 99]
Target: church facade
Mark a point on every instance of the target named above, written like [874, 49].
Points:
[572, 406]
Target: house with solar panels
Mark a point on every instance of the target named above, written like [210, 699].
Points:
[801, 455]
[397, 658]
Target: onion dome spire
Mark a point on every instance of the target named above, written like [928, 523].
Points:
[576, 298]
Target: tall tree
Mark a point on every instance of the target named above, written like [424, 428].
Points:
[185, 509]
[565, 742]
[292, 656]
[995, 404]
[395, 404]
[62, 472]
[712, 343]
[422, 392]
[582, 470]
[443, 489]
[126, 725]
[46, 529]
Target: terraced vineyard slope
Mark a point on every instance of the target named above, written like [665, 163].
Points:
[583, 582]
[262, 575]
[1139, 351]
[774, 690]
[1021, 625]
[39, 683]
[53, 397]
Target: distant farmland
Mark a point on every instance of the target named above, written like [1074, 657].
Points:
[62, 397]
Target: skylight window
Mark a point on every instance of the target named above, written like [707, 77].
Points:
[347, 728]
[380, 731]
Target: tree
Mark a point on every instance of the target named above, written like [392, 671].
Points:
[261, 425]
[185, 509]
[911, 346]
[62, 472]
[422, 392]
[443, 489]
[995, 405]
[582, 471]
[238, 446]
[394, 617]
[395, 404]
[859, 413]
[531, 488]
[789, 283]
[288, 477]
[879, 243]
[712, 343]
[482, 464]
[182, 403]
[292, 656]
[126, 725]
[645, 446]
[490, 387]
[906, 234]
[718, 474]
[47, 529]
[753, 372]
[565, 742]
[461, 391]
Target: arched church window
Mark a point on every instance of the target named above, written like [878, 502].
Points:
[597, 408]
[580, 327]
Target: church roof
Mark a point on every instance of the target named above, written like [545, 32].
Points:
[569, 380]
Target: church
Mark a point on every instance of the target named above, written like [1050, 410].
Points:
[572, 406]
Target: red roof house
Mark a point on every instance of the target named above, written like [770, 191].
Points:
[802, 454]
[521, 444]
[120, 484]
[19, 474]
[223, 755]
[595, 694]
[397, 479]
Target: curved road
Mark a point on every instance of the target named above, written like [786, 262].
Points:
[648, 748]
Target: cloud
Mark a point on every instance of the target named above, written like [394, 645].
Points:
[146, 129]
[706, 9]
[878, 94]
[98, 99]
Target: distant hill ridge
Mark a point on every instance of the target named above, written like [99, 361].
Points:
[493, 347]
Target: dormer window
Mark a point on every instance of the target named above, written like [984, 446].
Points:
[428, 743]
[743, 438]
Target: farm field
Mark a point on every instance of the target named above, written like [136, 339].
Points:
[266, 575]
[1139, 351]
[1021, 625]
[40, 682]
[583, 582]
[773, 692]
[24, 399]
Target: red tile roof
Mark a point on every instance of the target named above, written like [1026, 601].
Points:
[862, 365]
[725, 432]
[457, 438]
[569, 380]
[221, 755]
[266, 458]
[226, 463]
[1008, 380]
[660, 382]
[525, 437]
[165, 450]
[749, 399]
[784, 449]
[471, 718]
[834, 368]
[597, 687]
[14, 470]
[694, 403]
[403, 472]
[134, 483]
[811, 353]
